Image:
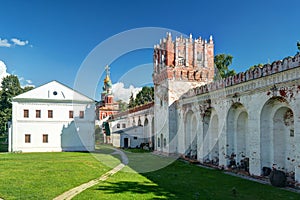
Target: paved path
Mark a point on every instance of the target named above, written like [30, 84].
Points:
[74, 191]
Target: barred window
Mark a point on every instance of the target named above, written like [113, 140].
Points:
[45, 138]
[38, 113]
[50, 113]
[27, 138]
[26, 113]
[71, 114]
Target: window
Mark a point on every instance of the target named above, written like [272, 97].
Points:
[71, 114]
[165, 142]
[27, 138]
[50, 113]
[135, 138]
[158, 142]
[26, 113]
[292, 132]
[181, 61]
[123, 125]
[118, 125]
[45, 138]
[38, 113]
[81, 114]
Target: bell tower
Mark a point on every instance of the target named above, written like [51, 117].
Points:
[179, 65]
[107, 106]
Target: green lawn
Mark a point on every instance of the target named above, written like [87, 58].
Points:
[47, 175]
[181, 180]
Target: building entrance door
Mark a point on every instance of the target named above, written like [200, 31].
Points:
[125, 142]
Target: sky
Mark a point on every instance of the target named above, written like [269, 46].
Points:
[71, 41]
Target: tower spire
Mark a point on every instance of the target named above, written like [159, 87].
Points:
[107, 71]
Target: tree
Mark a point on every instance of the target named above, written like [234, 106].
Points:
[122, 105]
[10, 87]
[222, 62]
[298, 45]
[27, 88]
[144, 96]
[131, 101]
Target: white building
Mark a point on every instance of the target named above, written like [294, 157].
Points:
[131, 137]
[52, 117]
[133, 127]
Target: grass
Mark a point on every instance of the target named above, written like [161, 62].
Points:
[47, 175]
[125, 186]
[181, 180]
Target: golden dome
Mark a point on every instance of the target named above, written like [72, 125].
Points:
[107, 79]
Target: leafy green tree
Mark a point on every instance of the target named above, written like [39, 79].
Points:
[146, 95]
[222, 63]
[10, 87]
[27, 88]
[122, 105]
[298, 45]
[131, 101]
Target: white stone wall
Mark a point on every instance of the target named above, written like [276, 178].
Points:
[167, 121]
[63, 133]
[243, 111]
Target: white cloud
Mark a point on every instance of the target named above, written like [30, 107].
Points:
[4, 43]
[19, 42]
[122, 93]
[25, 83]
[3, 71]
[14, 42]
[28, 84]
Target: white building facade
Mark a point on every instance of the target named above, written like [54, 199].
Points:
[133, 127]
[52, 118]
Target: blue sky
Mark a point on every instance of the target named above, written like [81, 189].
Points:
[60, 34]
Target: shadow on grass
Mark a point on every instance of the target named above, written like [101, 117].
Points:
[136, 188]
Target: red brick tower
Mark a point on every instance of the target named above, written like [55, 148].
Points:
[179, 65]
[185, 59]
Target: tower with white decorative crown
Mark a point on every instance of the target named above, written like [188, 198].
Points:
[179, 65]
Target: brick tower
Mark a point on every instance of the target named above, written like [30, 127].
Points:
[179, 65]
[107, 106]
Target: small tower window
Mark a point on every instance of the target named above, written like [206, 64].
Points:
[158, 142]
